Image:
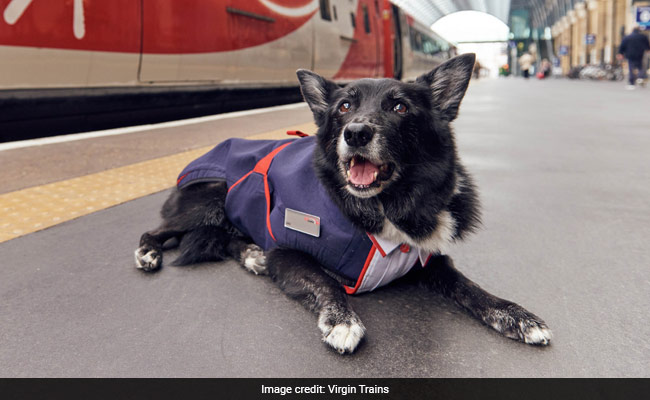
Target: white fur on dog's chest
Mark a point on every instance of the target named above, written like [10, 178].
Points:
[437, 242]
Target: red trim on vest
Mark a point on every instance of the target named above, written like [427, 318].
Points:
[178, 182]
[374, 241]
[262, 168]
[297, 133]
[353, 290]
[240, 180]
[267, 194]
[263, 165]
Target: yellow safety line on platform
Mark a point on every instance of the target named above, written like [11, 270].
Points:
[36, 208]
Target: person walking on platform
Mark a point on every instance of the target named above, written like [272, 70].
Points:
[526, 62]
[633, 47]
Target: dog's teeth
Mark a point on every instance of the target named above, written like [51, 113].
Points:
[375, 176]
[348, 171]
[351, 164]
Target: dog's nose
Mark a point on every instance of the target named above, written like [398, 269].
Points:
[357, 134]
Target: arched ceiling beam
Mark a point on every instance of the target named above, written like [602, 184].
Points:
[543, 13]
[429, 11]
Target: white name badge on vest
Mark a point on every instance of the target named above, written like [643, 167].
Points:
[302, 222]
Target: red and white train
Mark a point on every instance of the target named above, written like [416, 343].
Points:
[131, 43]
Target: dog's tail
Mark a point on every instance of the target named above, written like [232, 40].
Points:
[205, 243]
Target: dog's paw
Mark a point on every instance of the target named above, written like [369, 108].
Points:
[254, 260]
[514, 322]
[536, 333]
[147, 259]
[342, 330]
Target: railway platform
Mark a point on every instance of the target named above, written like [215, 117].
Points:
[562, 168]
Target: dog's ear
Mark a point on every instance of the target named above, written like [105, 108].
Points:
[316, 91]
[449, 81]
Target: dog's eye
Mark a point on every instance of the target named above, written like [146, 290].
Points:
[400, 108]
[345, 107]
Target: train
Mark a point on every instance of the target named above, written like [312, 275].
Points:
[95, 47]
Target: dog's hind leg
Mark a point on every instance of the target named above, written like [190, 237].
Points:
[504, 316]
[302, 278]
[195, 215]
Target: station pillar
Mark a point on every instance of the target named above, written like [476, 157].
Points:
[595, 28]
[582, 25]
[609, 36]
[575, 41]
[562, 40]
[567, 42]
[620, 17]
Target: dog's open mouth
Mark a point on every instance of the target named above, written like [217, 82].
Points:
[363, 174]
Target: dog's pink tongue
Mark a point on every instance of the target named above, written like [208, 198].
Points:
[363, 173]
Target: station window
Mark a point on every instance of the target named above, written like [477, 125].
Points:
[325, 10]
[366, 19]
[353, 20]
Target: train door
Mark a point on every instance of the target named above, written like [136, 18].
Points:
[334, 35]
[363, 49]
[163, 39]
[397, 24]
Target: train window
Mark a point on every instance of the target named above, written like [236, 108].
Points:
[325, 10]
[377, 8]
[366, 19]
[336, 18]
[416, 40]
[428, 47]
[353, 20]
[423, 43]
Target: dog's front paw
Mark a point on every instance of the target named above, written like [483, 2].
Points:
[342, 329]
[254, 260]
[517, 323]
[147, 259]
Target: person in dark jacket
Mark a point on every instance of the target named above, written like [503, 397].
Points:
[633, 47]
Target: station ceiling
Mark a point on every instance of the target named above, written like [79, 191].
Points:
[429, 11]
[542, 13]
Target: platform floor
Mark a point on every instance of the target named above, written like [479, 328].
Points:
[564, 178]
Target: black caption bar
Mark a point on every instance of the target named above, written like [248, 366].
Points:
[430, 389]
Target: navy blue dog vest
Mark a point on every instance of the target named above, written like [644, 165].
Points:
[267, 177]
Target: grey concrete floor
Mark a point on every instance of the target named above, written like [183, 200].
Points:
[563, 172]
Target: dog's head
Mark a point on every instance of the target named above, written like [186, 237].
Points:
[373, 131]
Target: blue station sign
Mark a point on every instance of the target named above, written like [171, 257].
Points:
[643, 16]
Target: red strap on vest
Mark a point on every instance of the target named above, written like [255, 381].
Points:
[262, 168]
[297, 133]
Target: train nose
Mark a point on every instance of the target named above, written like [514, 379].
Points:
[357, 134]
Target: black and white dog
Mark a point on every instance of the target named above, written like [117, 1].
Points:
[384, 156]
